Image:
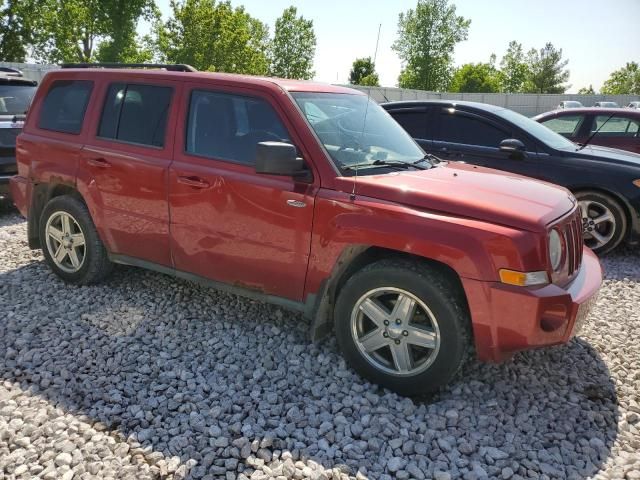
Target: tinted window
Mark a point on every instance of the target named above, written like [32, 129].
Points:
[64, 106]
[135, 113]
[15, 99]
[230, 126]
[458, 128]
[413, 122]
[566, 125]
[615, 126]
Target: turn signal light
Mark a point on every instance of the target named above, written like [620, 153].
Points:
[523, 279]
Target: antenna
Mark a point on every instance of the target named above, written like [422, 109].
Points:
[366, 111]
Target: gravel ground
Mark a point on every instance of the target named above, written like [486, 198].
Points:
[150, 377]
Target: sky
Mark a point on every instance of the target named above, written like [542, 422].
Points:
[596, 36]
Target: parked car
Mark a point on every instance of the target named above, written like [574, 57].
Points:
[606, 105]
[569, 104]
[635, 105]
[15, 94]
[613, 127]
[305, 195]
[605, 181]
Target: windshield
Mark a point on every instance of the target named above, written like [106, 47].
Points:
[15, 99]
[356, 131]
[572, 104]
[537, 130]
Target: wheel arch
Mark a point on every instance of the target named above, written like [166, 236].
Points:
[42, 194]
[321, 307]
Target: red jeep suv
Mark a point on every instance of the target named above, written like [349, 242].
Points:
[309, 196]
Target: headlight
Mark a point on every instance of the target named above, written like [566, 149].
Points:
[555, 249]
[637, 182]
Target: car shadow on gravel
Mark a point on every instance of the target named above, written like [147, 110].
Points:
[228, 384]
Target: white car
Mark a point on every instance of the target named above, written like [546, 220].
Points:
[570, 104]
[635, 105]
[606, 105]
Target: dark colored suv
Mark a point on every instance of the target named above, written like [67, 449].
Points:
[15, 95]
[605, 181]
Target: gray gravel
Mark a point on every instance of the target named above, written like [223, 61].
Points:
[150, 377]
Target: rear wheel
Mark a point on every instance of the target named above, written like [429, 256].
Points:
[604, 223]
[403, 325]
[70, 242]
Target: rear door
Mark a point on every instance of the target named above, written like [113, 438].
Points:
[617, 131]
[228, 223]
[469, 137]
[125, 165]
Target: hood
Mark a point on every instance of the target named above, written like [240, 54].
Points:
[469, 191]
[609, 155]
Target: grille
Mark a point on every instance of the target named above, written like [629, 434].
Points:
[571, 229]
[8, 136]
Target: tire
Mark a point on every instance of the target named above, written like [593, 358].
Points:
[445, 320]
[92, 263]
[610, 232]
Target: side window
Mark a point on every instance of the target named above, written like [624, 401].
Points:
[136, 113]
[415, 123]
[615, 126]
[229, 127]
[64, 106]
[567, 125]
[459, 128]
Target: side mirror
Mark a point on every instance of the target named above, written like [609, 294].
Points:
[514, 147]
[279, 158]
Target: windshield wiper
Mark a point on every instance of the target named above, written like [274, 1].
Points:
[429, 157]
[582, 145]
[386, 163]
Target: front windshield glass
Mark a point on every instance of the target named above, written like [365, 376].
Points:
[15, 99]
[355, 131]
[539, 131]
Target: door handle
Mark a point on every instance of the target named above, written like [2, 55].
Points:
[296, 203]
[192, 181]
[98, 162]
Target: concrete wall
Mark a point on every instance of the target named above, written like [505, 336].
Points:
[527, 104]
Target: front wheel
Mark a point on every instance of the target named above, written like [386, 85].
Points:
[604, 223]
[403, 325]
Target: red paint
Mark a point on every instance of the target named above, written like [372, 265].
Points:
[223, 221]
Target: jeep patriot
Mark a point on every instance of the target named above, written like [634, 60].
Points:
[309, 196]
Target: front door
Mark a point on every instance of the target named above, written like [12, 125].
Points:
[229, 223]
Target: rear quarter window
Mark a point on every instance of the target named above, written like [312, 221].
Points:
[64, 106]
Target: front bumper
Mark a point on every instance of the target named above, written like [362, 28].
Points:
[507, 319]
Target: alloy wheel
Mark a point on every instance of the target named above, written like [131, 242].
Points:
[598, 223]
[65, 242]
[395, 331]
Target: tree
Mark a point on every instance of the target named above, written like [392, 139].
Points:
[213, 36]
[16, 28]
[623, 81]
[363, 72]
[73, 30]
[427, 37]
[547, 73]
[477, 78]
[587, 91]
[514, 68]
[293, 47]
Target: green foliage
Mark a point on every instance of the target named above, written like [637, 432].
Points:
[363, 72]
[427, 36]
[16, 28]
[293, 47]
[547, 73]
[587, 91]
[514, 68]
[213, 36]
[74, 30]
[624, 81]
[477, 78]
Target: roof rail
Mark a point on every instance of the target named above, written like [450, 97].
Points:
[12, 72]
[172, 67]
